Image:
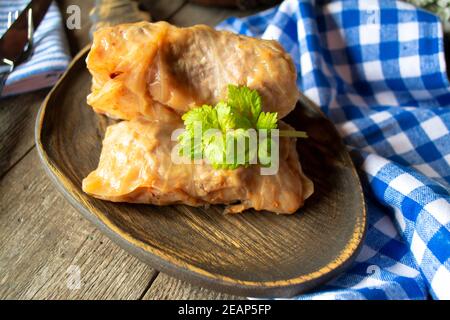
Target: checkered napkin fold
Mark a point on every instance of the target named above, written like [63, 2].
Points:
[377, 69]
[50, 57]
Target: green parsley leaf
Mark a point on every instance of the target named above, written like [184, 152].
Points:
[222, 134]
[205, 115]
[197, 120]
[267, 120]
[245, 101]
[229, 118]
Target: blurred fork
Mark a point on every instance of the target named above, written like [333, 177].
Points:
[7, 65]
[16, 44]
[12, 16]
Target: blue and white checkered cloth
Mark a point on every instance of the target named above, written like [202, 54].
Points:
[50, 57]
[377, 69]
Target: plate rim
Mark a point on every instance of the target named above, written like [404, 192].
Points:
[174, 266]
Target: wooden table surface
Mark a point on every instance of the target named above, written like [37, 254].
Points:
[44, 242]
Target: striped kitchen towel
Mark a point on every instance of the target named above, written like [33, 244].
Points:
[377, 69]
[50, 57]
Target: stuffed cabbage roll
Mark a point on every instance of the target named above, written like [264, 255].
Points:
[136, 166]
[137, 65]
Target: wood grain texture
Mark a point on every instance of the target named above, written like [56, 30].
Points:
[258, 254]
[105, 272]
[168, 288]
[42, 237]
[17, 115]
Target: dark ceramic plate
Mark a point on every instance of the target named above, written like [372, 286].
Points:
[251, 254]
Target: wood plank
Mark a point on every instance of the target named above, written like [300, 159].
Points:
[43, 238]
[105, 271]
[17, 115]
[167, 288]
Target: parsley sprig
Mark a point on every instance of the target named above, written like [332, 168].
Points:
[228, 129]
